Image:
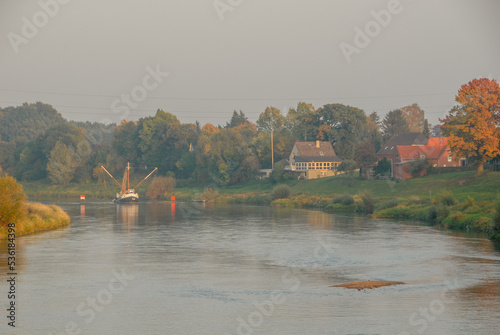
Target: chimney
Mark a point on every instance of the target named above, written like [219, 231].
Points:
[317, 144]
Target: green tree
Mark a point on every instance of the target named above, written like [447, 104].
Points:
[163, 141]
[383, 167]
[61, 165]
[426, 131]
[237, 119]
[278, 173]
[220, 157]
[302, 122]
[394, 123]
[270, 119]
[347, 126]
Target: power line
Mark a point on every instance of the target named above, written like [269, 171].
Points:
[233, 99]
[184, 112]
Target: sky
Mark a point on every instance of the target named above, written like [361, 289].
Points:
[108, 60]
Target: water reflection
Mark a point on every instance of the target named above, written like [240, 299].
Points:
[127, 215]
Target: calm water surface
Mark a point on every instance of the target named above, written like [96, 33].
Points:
[159, 268]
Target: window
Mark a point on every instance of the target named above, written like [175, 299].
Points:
[449, 158]
[422, 156]
[321, 153]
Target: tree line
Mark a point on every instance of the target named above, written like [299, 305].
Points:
[37, 143]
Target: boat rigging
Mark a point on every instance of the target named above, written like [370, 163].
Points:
[126, 193]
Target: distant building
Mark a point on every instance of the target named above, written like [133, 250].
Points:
[389, 149]
[401, 156]
[314, 159]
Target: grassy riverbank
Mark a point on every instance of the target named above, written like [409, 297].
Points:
[19, 217]
[37, 218]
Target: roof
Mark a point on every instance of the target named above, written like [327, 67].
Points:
[309, 152]
[414, 138]
[412, 152]
[438, 141]
[317, 159]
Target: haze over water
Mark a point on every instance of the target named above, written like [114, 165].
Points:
[159, 268]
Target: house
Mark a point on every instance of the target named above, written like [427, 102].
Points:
[389, 150]
[314, 159]
[436, 151]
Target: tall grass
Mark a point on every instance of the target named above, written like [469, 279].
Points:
[38, 217]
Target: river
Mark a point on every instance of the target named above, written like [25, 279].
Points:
[192, 268]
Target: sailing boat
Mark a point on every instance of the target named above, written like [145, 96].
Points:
[126, 193]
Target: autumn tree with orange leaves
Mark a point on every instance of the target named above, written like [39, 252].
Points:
[473, 126]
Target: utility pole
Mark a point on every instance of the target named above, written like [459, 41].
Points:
[272, 150]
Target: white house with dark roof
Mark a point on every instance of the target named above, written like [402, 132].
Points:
[314, 159]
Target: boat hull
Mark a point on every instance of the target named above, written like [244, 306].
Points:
[127, 199]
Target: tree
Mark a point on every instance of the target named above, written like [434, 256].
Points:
[302, 122]
[61, 165]
[375, 118]
[347, 126]
[365, 157]
[278, 173]
[414, 116]
[394, 123]
[220, 157]
[473, 125]
[270, 119]
[237, 119]
[383, 167]
[348, 166]
[426, 131]
[436, 131]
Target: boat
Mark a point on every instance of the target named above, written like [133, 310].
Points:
[127, 194]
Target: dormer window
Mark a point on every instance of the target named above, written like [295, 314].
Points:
[321, 153]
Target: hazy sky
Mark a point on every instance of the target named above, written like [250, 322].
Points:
[86, 56]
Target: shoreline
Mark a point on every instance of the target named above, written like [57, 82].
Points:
[37, 218]
[455, 201]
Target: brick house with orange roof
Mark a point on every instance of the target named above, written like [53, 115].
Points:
[436, 151]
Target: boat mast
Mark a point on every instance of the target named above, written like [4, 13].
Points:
[146, 177]
[128, 175]
[116, 181]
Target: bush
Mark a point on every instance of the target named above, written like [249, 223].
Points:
[367, 204]
[437, 214]
[11, 200]
[344, 199]
[278, 173]
[496, 218]
[446, 198]
[383, 167]
[470, 202]
[159, 187]
[281, 192]
[419, 167]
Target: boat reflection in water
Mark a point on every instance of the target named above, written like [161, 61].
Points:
[128, 215]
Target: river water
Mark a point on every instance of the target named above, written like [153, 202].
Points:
[192, 268]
